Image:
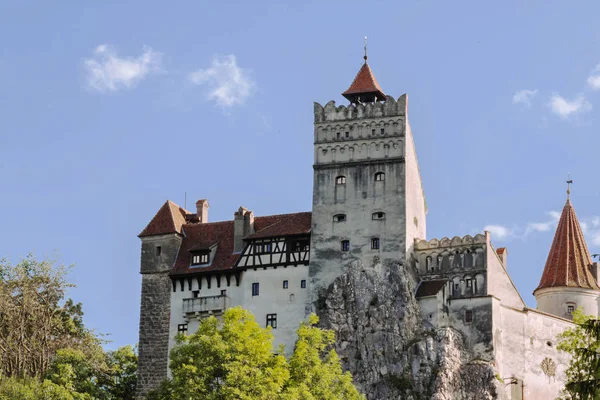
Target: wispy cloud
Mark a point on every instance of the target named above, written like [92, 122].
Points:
[524, 97]
[227, 83]
[107, 72]
[594, 79]
[498, 231]
[564, 108]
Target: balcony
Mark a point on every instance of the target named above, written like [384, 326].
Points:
[203, 306]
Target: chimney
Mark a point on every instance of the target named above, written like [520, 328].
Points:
[243, 225]
[502, 253]
[202, 210]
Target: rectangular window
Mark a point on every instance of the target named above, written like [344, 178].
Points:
[382, 131]
[223, 292]
[195, 293]
[201, 258]
[347, 135]
[158, 250]
[469, 283]
[182, 328]
[468, 316]
[285, 284]
[372, 131]
[338, 135]
[258, 248]
[303, 283]
[272, 320]
[570, 309]
[345, 245]
[255, 290]
[375, 243]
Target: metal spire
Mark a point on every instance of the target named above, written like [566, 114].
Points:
[569, 183]
[365, 57]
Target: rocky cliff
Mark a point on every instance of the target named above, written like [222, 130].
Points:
[383, 341]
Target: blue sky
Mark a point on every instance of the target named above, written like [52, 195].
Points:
[109, 108]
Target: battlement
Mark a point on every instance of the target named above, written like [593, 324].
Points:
[389, 108]
[456, 241]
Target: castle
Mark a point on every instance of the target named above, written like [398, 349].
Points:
[368, 208]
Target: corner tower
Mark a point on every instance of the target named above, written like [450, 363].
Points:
[570, 279]
[368, 200]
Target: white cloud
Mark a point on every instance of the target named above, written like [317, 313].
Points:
[539, 226]
[227, 83]
[565, 108]
[497, 231]
[107, 72]
[524, 96]
[594, 78]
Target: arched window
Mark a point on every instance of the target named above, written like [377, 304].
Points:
[379, 176]
[339, 218]
[340, 180]
[378, 215]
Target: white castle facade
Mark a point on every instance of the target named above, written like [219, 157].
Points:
[368, 205]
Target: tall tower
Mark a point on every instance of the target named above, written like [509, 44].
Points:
[570, 279]
[368, 200]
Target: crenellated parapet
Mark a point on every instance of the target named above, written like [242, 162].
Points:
[461, 260]
[389, 108]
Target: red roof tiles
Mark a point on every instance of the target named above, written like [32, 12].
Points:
[364, 86]
[500, 250]
[169, 219]
[204, 236]
[569, 262]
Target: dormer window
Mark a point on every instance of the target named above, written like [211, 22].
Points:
[379, 176]
[200, 258]
[340, 180]
[378, 215]
[339, 218]
[262, 248]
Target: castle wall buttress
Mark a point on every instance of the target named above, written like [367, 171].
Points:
[158, 257]
[361, 208]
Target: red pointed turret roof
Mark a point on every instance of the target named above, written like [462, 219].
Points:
[169, 219]
[569, 262]
[364, 87]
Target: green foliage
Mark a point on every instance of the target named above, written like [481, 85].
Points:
[583, 343]
[234, 359]
[33, 389]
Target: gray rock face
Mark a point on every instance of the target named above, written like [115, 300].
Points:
[381, 339]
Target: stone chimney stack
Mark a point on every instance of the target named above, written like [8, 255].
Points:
[202, 210]
[243, 225]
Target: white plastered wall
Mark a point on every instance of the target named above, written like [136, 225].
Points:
[556, 300]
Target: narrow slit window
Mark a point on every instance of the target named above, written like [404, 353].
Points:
[285, 284]
[158, 250]
[339, 218]
[379, 176]
[375, 243]
[255, 289]
[303, 284]
[340, 180]
[372, 131]
[345, 245]
[468, 316]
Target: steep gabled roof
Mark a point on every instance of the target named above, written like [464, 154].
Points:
[221, 234]
[169, 219]
[569, 262]
[364, 86]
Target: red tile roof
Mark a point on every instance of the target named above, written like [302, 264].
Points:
[364, 85]
[500, 250]
[204, 236]
[169, 219]
[569, 262]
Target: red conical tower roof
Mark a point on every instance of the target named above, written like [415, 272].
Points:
[569, 262]
[364, 88]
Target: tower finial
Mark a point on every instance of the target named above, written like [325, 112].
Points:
[569, 183]
[365, 57]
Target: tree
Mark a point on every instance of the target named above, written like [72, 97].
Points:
[234, 359]
[583, 343]
[35, 319]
